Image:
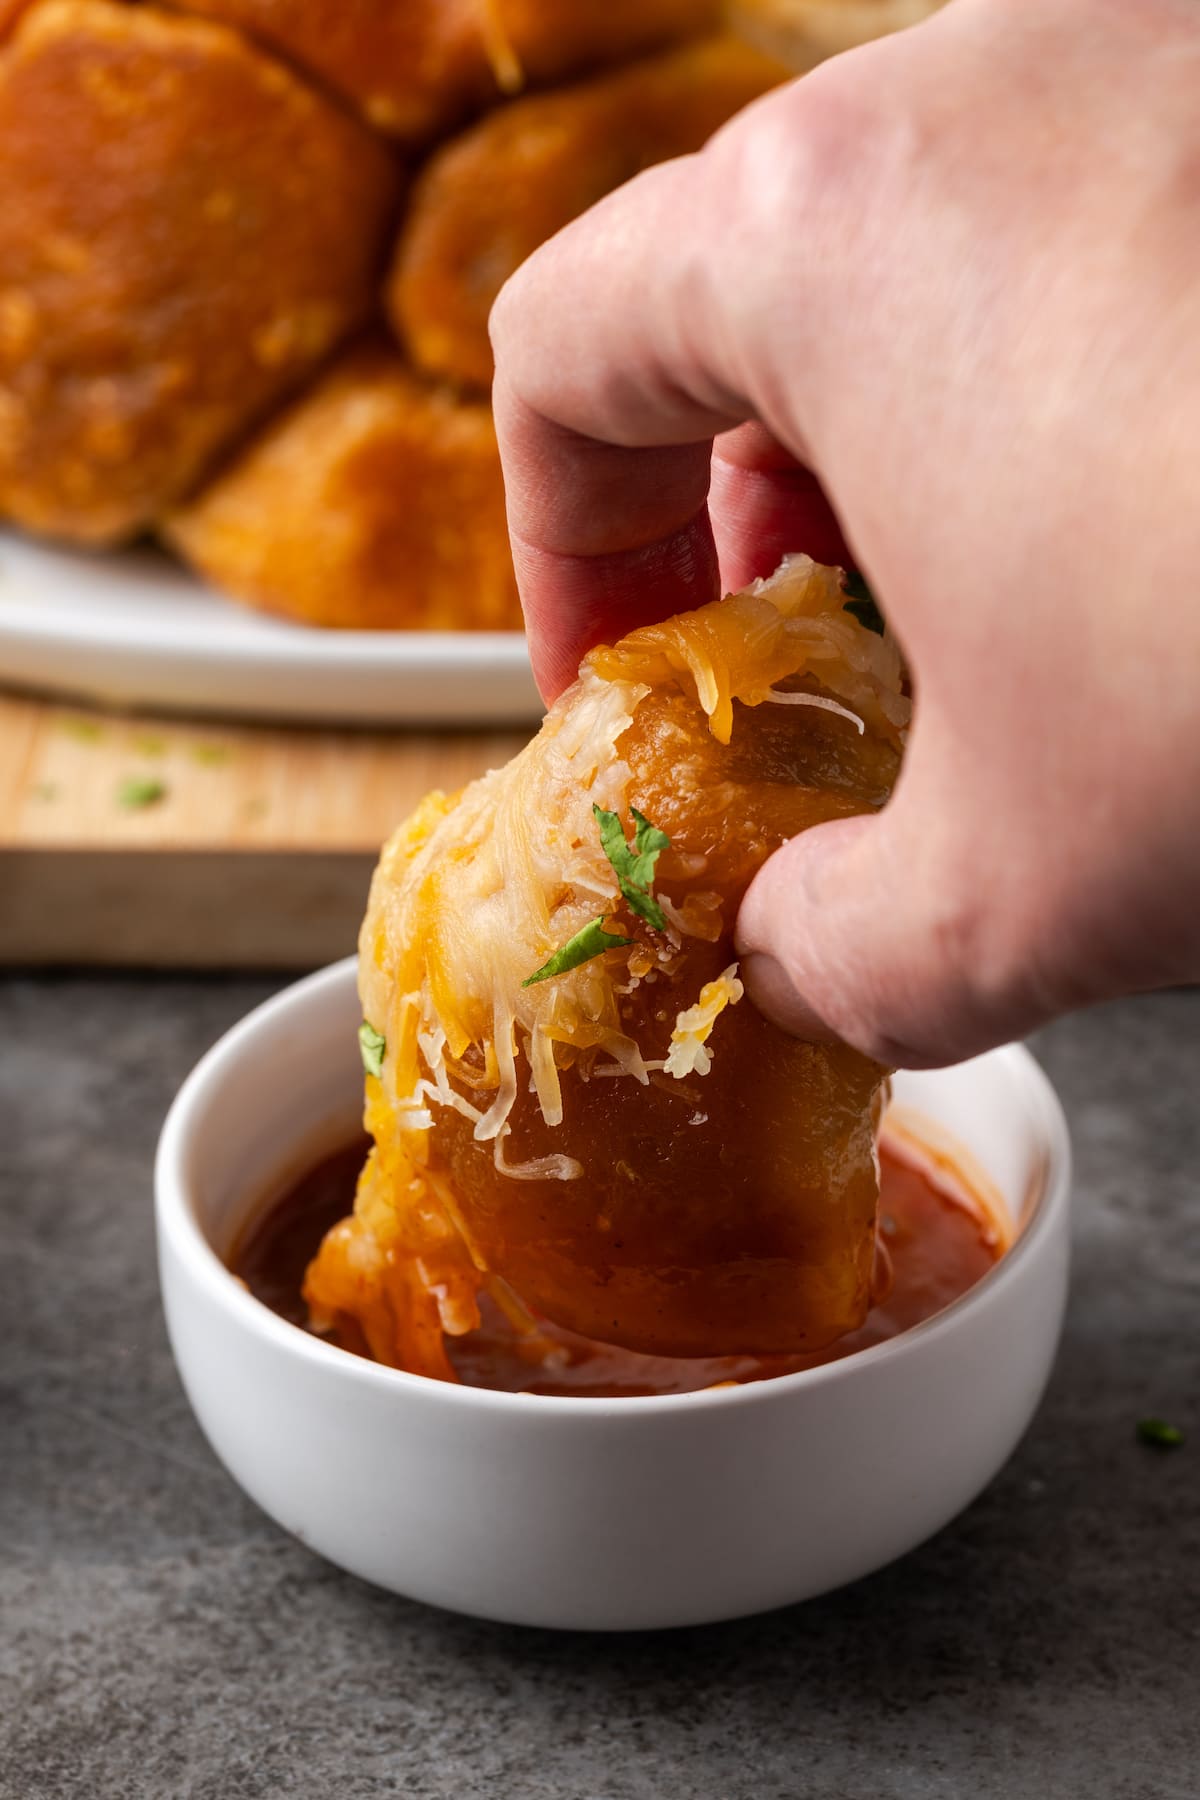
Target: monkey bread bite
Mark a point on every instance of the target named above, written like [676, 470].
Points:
[375, 501]
[487, 200]
[206, 204]
[574, 1108]
[186, 230]
[418, 67]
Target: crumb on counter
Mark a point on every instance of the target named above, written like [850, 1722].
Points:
[139, 791]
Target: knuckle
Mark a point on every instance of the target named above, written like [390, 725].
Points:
[504, 317]
[800, 182]
[799, 145]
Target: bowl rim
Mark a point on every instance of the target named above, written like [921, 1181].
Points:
[178, 1225]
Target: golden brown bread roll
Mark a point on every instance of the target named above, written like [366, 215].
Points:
[568, 1092]
[552, 40]
[374, 501]
[415, 68]
[186, 230]
[485, 201]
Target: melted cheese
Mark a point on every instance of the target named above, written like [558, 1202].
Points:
[689, 1053]
[477, 890]
[741, 647]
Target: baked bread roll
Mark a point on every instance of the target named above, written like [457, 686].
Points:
[186, 231]
[417, 68]
[574, 1108]
[489, 198]
[375, 501]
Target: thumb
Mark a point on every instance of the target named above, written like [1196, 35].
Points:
[865, 930]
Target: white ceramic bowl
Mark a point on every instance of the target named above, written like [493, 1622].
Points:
[591, 1513]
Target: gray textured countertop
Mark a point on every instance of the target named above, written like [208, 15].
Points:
[159, 1636]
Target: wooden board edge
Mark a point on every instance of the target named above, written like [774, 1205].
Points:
[194, 909]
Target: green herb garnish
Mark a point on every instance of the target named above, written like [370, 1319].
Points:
[84, 731]
[593, 940]
[634, 868]
[371, 1044]
[210, 756]
[1159, 1433]
[139, 791]
[862, 603]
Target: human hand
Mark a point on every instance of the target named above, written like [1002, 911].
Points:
[954, 281]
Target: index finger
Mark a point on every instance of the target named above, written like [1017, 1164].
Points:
[613, 375]
[604, 538]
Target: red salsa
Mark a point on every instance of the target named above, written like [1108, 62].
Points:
[935, 1243]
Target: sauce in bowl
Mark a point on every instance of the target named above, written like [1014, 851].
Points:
[936, 1242]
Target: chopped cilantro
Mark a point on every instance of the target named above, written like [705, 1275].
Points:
[593, 940]
[1159, 1433]
[634, 868]
[862, 603]
[371, 1044]
[139, 791]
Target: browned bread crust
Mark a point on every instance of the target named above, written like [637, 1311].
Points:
[489, 198]
[186, 231]
[374, 501]
[417, 68]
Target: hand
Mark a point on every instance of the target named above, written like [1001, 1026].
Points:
[953, 282]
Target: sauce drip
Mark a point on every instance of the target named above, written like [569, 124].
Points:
[939, 1245]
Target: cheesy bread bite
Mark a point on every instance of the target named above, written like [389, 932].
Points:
[416, 68]
[186, 230]
[574, 1108]
[487, 200]
[375, 501]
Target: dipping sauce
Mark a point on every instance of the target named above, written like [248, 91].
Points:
[938, 1241]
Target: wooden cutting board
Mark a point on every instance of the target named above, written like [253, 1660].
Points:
[159, 843]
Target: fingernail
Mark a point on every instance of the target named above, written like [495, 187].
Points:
[773, 993]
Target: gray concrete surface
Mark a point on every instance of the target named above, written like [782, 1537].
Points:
[159, 1637]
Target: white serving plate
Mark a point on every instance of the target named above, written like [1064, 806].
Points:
[134, 629]
[579, 1512]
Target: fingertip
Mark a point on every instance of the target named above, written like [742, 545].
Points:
[572, 603]
[803, 932]
[765, 504]
[775, 917]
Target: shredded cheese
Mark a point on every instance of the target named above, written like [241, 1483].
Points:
[539, 1168]
[689, 1053]
[479, 888]
[822, 701]
[794, 623]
